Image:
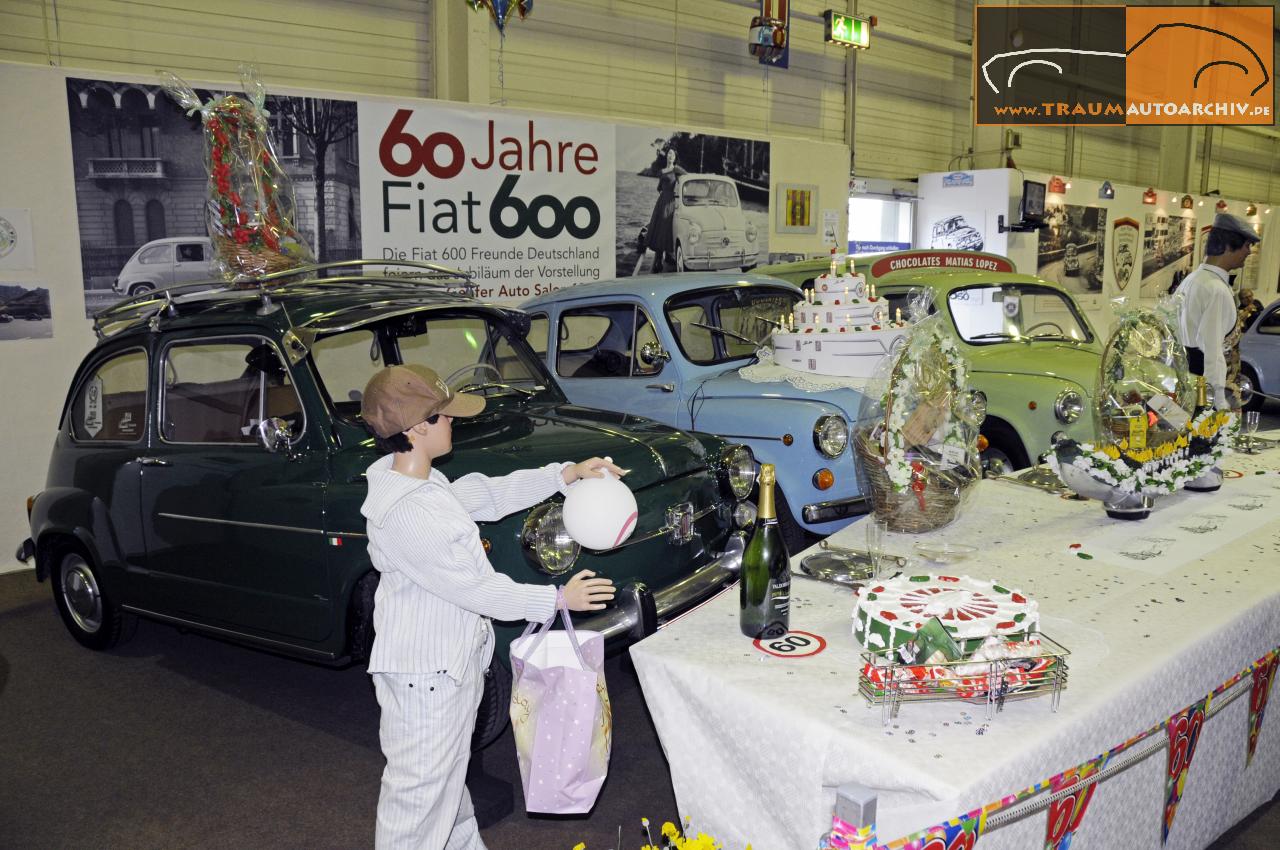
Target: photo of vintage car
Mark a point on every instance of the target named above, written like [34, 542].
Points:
[208, 469]
[956, 234]
[164, 262]
[1031, 352]
[672, 347]
[709, 230]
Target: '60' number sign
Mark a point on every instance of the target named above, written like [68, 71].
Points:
[792, 645]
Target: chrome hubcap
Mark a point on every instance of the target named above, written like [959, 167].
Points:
[80, 592]
[1246, 388]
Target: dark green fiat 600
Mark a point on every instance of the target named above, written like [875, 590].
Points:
[209, 466]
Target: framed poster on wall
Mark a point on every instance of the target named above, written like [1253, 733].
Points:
[796, 208]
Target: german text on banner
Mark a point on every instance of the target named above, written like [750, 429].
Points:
[1066, 813]
[1184, 733]
[1264, 674]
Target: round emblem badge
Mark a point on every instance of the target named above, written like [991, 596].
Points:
[8, 237]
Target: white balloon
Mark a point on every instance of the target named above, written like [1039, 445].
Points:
[600, 513]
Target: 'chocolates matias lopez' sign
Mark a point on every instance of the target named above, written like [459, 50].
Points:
[521, 203]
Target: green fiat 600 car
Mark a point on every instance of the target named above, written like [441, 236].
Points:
[208, 468]
[1031, 353]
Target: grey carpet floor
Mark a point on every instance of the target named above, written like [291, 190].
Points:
[178, 741]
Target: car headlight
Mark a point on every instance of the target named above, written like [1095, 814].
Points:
[1068, 406]
[831, 435]
[695, 232]
[546, 542]
[744, 514]
[739, 470]
[751, 232]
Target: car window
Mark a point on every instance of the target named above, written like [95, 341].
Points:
[191, 252]
[602, 341]
[717, 193]
[111, 405]
[1270, 323]
[156, 254]
[1000, 313]
[346, 362]
[216, 391]
[747, 314]
[465, 350]
[537, 336]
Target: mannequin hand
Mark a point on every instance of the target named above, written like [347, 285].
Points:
[590, 468]
[584, 593]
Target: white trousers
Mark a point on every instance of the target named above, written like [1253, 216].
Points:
[425, 730]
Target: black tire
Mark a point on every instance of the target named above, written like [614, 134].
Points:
[1255, 401]
[360, 631]
[794, 535]
[88, 612]
[495, 706]
[139, 288]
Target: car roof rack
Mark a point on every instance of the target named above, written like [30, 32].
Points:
[164, 302]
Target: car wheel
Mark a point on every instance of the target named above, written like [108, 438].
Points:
[680, 258]
[1004, 448]
[93, 619]
[1249, 399]
[139, 288]
[495, 706]
[794, 535]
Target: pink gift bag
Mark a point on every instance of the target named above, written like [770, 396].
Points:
[561, 717]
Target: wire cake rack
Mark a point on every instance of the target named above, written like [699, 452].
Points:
[887, 682]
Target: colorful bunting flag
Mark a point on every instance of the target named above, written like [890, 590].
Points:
[959, 834]
[1264, 674]
[1184, 733]
[1066, 813]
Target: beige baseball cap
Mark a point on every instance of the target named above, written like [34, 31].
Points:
[399, 397]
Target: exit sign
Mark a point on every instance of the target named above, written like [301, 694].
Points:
[847, 30]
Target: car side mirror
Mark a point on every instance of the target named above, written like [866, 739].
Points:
[274, 434]
[652, 354]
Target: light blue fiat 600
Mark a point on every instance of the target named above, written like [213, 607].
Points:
[680, 349]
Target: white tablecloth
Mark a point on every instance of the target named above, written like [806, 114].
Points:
[757, 744]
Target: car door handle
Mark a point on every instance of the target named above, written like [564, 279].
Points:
[666, 388]
[151, 461]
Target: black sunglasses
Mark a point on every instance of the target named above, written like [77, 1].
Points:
[433, 419]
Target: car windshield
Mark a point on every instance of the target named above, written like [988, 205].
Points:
[727, 323]
[472, 352]
[709, 193]
[1015, 311]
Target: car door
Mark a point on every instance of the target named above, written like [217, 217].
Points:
[234, 532]
[600, 361]
[98, 447]
[191, 261]
[1261, 349]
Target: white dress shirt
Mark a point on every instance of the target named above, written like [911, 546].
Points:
[438, 590]
[1205, 317]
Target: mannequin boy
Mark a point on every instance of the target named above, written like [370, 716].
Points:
[433, 639]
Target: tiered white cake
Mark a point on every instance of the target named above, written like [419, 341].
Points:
[841, 329]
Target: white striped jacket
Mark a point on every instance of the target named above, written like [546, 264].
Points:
[437, 589]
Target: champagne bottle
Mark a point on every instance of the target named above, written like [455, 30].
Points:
[765, 588]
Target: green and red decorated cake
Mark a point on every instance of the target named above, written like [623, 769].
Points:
[889, 613]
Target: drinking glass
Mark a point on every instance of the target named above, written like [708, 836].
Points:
[876, 530]
[1250, 428]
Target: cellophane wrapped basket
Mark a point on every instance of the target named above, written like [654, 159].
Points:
[916, 438]
[250, 212]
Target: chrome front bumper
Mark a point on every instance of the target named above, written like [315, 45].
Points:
[638, 611]
[835, 509]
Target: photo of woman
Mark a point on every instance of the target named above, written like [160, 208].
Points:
[689, 202]
[659, 238]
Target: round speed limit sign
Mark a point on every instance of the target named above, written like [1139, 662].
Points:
[792, 645]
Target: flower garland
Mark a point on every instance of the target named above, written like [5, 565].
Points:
[1165, 469]
[227, 118]
[901, 471]
[673, 838]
